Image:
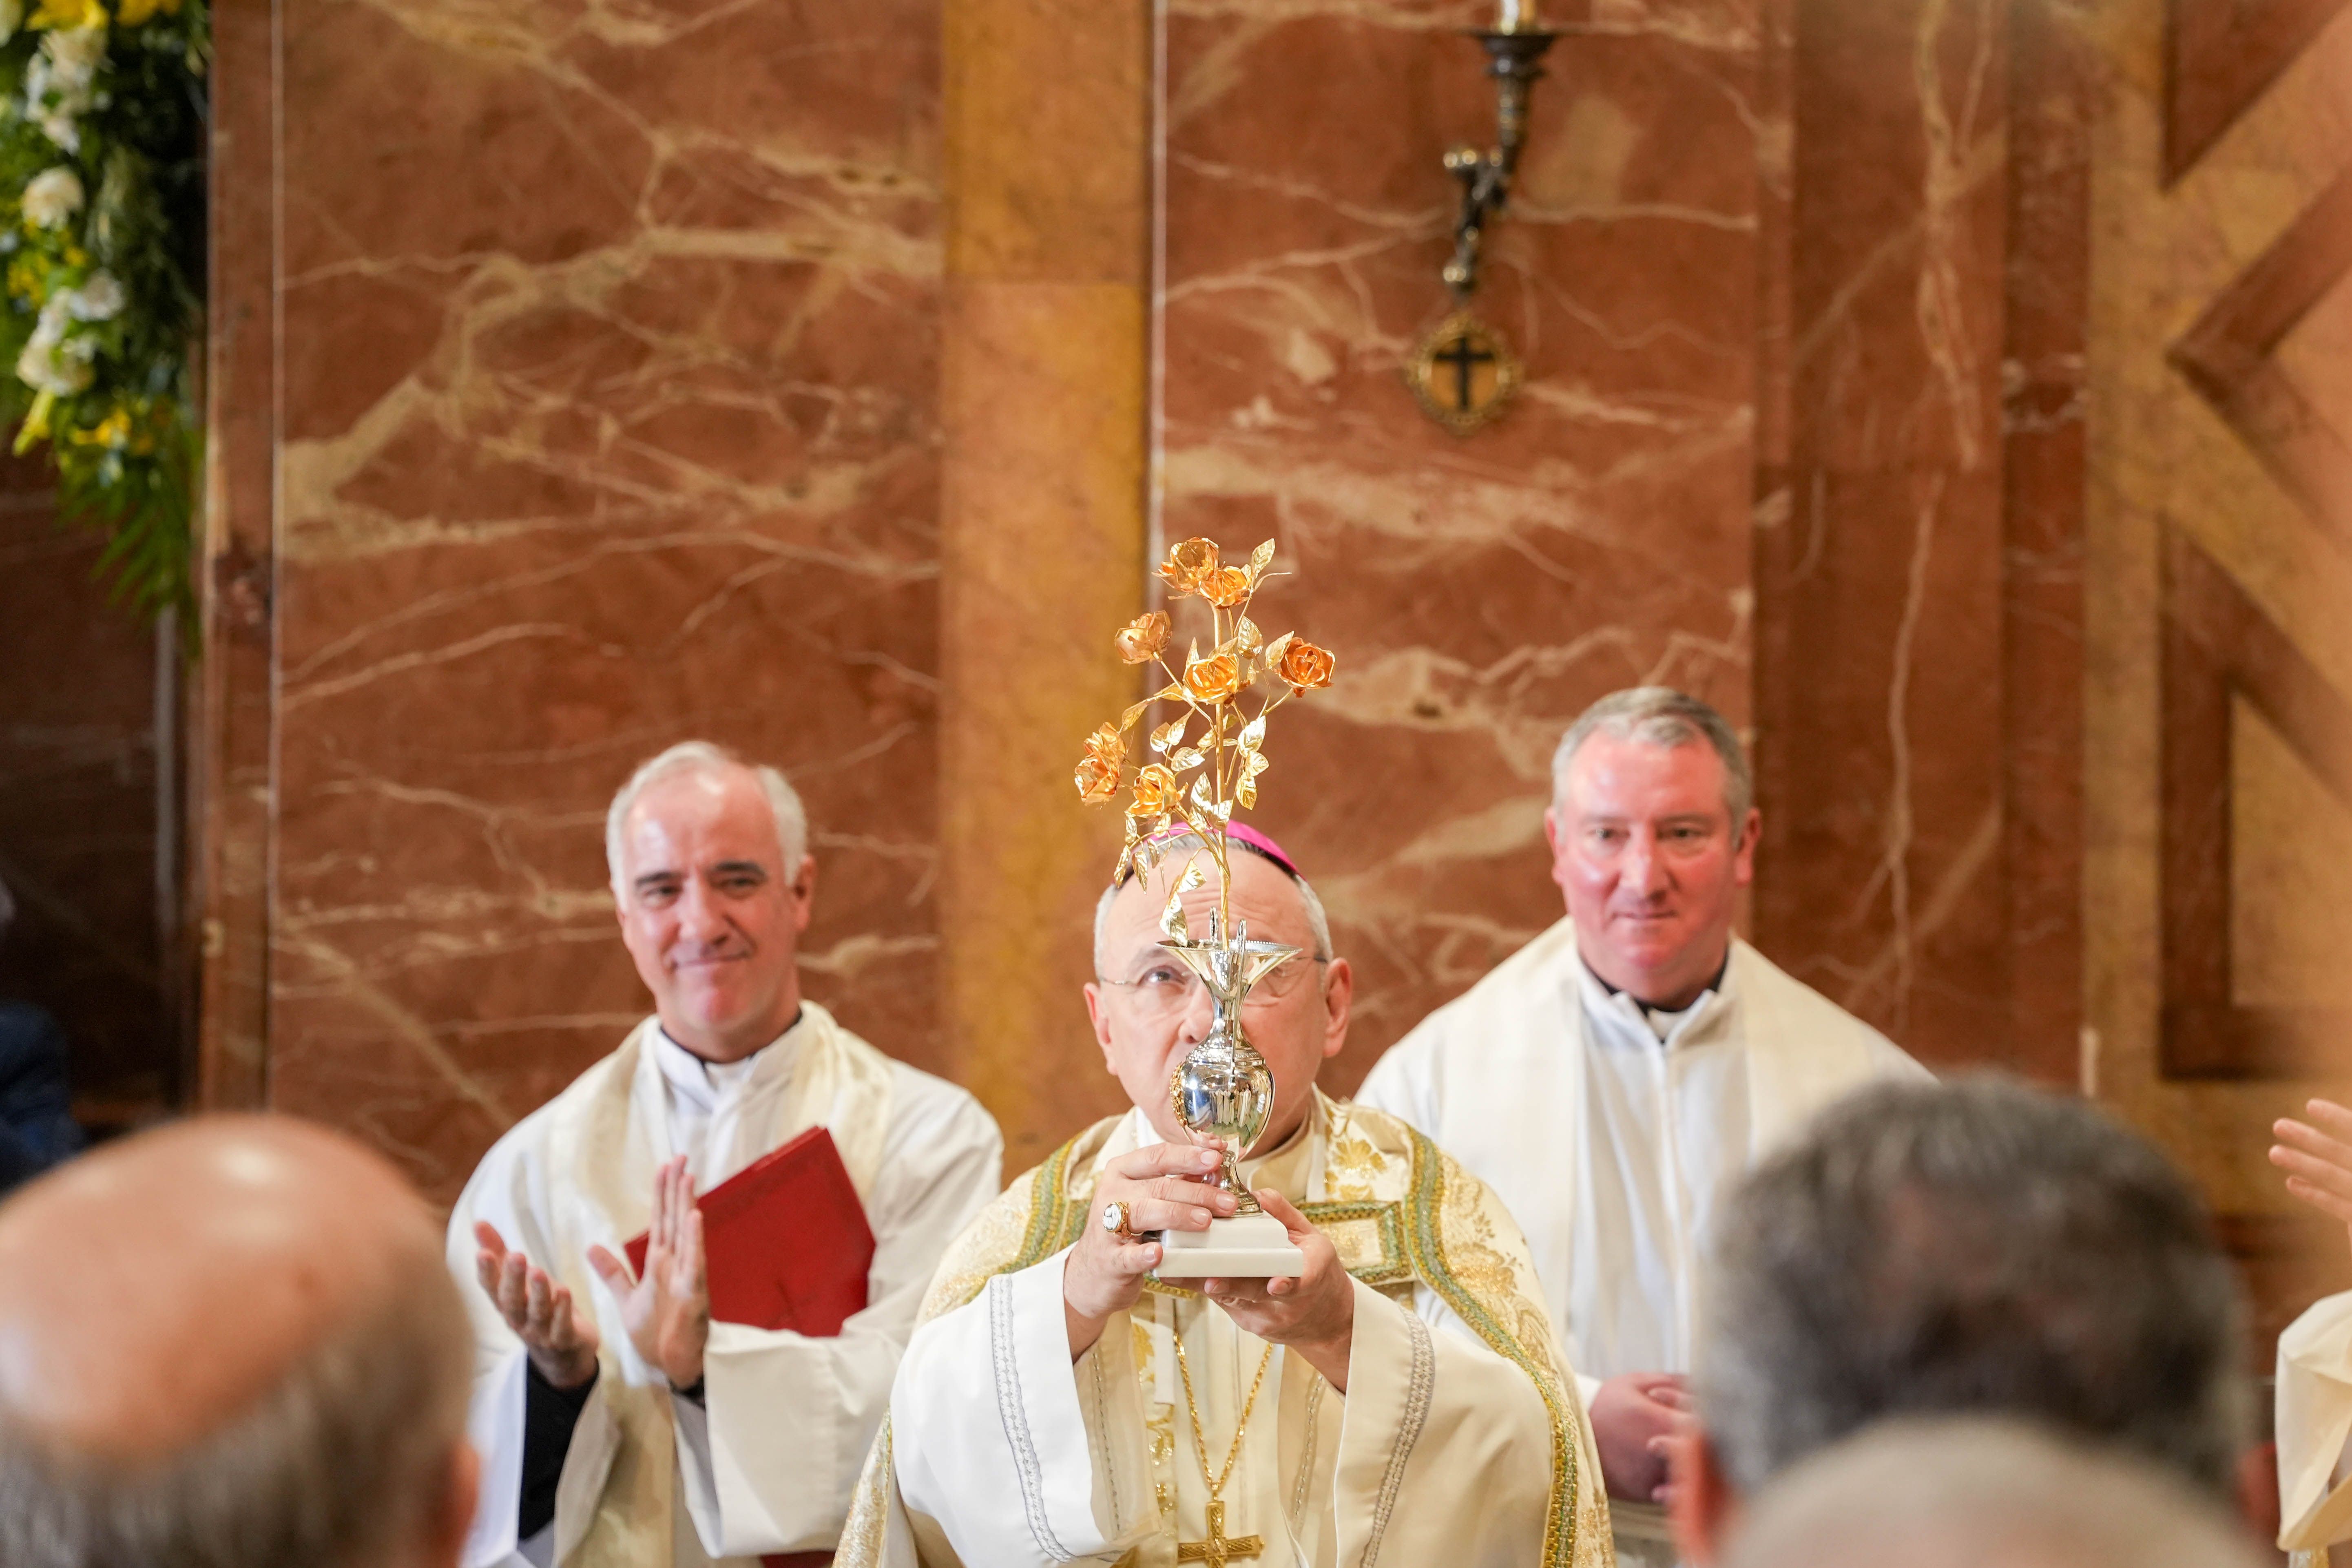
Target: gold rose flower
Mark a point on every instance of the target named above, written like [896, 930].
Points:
[1105, 746]
[1304, 666]
[1156, 790]
[1142, 637]
[1215, 679]
[1188, 563]
[1097, 781]
[1226, 586]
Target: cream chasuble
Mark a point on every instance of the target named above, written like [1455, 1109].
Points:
[767, 1463]
[2314, 1421]
[1612, 1133]
[1460, 1441]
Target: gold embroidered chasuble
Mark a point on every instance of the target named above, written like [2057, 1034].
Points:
[1461, 1439]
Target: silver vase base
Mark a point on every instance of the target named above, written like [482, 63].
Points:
[1246, 1246]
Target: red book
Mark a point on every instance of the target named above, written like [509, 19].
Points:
[787, 1241]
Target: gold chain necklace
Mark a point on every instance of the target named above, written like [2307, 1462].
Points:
[1193, 1408]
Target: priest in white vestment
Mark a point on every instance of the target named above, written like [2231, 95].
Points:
[618, 1424]
[1612, 1079]
[2314, 1355]
[1398, 1403]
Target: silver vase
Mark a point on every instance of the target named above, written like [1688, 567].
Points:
[1223, 1089]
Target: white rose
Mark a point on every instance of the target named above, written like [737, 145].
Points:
[52, 197]
[43, 368]
[98, 299]
[58, 127]
[74, 54]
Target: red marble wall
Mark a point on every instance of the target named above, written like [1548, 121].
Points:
[1480, 591]
[607, 417]
[1879, 562]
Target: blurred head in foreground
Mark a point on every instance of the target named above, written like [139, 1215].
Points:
[1973, 1493]
[1970, 1246]
[230, 1341]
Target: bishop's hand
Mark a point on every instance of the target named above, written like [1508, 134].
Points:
[2318, 1159]
[667, 1312]
[1314, 1314]
[1164, 1187]
[559, 1338]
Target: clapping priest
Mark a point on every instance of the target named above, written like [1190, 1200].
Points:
[1400, 1401]
[617, 1424]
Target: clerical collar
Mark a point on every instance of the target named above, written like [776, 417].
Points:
[1663, 1022]
[703, 1084]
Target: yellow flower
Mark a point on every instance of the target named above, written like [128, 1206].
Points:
[1142, 637]
[1304, 666]
[1156, 790]
[1106, 747]
[1188, 563]
[114, 430]
[68, 14]
[1215, 679]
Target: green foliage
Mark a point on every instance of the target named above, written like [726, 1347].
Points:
[102, 124]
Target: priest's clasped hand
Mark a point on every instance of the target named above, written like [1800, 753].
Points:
[1164, 1187]
[559, 1338]
[666, 1312]
[1314, 1314]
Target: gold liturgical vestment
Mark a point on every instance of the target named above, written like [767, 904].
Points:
[1460, 1441]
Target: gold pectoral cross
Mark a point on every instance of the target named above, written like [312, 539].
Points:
[1220, 1548]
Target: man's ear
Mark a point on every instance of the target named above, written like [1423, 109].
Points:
[805, 892]
[1099, 1014]
[1700, 1503]
[1339, 996]
[461, 1490]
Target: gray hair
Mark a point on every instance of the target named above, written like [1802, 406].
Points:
[704, 757]
[1178, 845]
[1982, 1494]
[345, 1464]
[1661, 716]
[1970, 1246]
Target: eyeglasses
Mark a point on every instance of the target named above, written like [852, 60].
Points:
[1166, 989]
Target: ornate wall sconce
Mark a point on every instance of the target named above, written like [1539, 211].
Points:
[1463, 371]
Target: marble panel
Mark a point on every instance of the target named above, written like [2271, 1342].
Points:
[1478, 591]
[1880, 566]
[609, 349]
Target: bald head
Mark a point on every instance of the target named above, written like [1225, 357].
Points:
[1983, 1494]
[193, 1319]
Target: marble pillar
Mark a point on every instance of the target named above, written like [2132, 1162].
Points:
[1042, 532]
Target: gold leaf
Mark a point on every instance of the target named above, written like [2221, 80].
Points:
[1126, 720]
[1274, 651]
[1253, 735]
[1170, 733]
[1172, 918]
[1260, 559]
[1187, 759]
[1248, 637]
[1193, 875]
[1245, 792]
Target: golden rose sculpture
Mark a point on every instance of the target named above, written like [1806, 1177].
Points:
[1224, 756]
[1192, 772]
